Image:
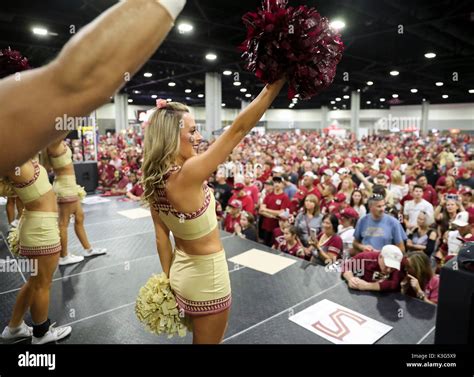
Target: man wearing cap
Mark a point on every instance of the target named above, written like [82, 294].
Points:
[375, 271]
[462, 234]
[271, 207]
[412, 208]
[431, 171]
[233, 215]
[378, 229]
[348, 219]
[466, 198]
[241, 195]
[465, 178]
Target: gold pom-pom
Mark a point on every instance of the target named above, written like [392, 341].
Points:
[157, 309]
[13, 240]
[81, 192]
[6, 189]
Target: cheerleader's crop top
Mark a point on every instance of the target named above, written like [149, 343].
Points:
[61, 161]
[186, 226]
[36, 187]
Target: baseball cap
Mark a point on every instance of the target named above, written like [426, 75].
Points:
[309, 174]
[328, 172]
[278, 169]
[462, 171]
[466, 256]
[238, 186]
[236, 204]
[343, 171]
[269, 182]
[340, 197]
[350, 213]
[465, 191]
[462, 219]
[392, 256]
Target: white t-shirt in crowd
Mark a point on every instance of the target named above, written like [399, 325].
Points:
[361, 210]
[412, 210]
[347, 236]
[398, 193]
[454, 243]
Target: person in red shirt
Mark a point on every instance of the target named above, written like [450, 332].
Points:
[283, 222]
[466, 195]
[291, 244]
[429, 193]
[241, 195]
[271, 207]
[233, 215]
[250, 188]
[135, 189]
[375, 270]
[266, 173]
[328, 245]
[420, 281]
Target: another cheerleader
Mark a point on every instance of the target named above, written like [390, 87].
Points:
[38, 241]
[58, 156]
[173, 178]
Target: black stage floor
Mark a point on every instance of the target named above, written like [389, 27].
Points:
[97, 297]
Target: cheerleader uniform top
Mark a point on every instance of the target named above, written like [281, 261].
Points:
[61, 161]
[186, 226]
[36, 187]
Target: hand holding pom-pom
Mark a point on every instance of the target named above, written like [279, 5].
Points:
[296, 42]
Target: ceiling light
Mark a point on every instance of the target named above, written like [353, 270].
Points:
[148, 74]
[40, 31]
[370, 83]
[394, 73]
[430, 55]
[136, 92]
[200, 95]
[130, 100]
[382, 99]
[154, 96]
[237, 83]
[243, 90]
[227, 73]
[188, 91]
[395, 95]
[414, 90]
[211, 57]
[248, 95]
[471, 91]
[223, 105]
[445, 96]
[337, 24]
[334, 108]
[169, 100]
[346, 97]
[368, 102]
[184, 28]
[338, 99]
[172, 84]
[333, 102]
[439, 83]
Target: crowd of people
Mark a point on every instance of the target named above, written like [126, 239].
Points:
[327, 199]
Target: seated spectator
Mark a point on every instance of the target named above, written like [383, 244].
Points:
[291, 244]
[327, 246]
[348, 220]
[375, 270]
[308, 218]
[422, 238]
[412, 208]
[420, 280]
[134, 188]
[377, 229]
[246, 228]
[233, 216]
[357, 203]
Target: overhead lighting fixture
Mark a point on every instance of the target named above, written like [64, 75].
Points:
[414, 90]
[337, 24]
[184, 28]
[148, 74]
[430, 55]
[136, 92]
[172, 84]
[211, 57]
[40, 31]
[237, 83]
[368, 102]
[227, 73]
[188, 91]
[382, 99]
[223, 105]
[130, 101]
[471, 91]
[395, 95]
[346, 97]
[370, 83]
[248, 95]
[200, 95]
[297, 96]
[333, 102]
[338, 99]
[394, 73]
[243, 90]
[291, 105]
[334, 108]
[445, 96]
[154, 96]
[169, 100]
[439, 83]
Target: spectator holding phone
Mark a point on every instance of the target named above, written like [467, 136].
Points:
[420, 281]
[309, 217]
[327, 247]
[246, 228]
[446, 212]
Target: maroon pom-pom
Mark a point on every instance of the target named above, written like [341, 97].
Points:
[296, 42]
[12, 61]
